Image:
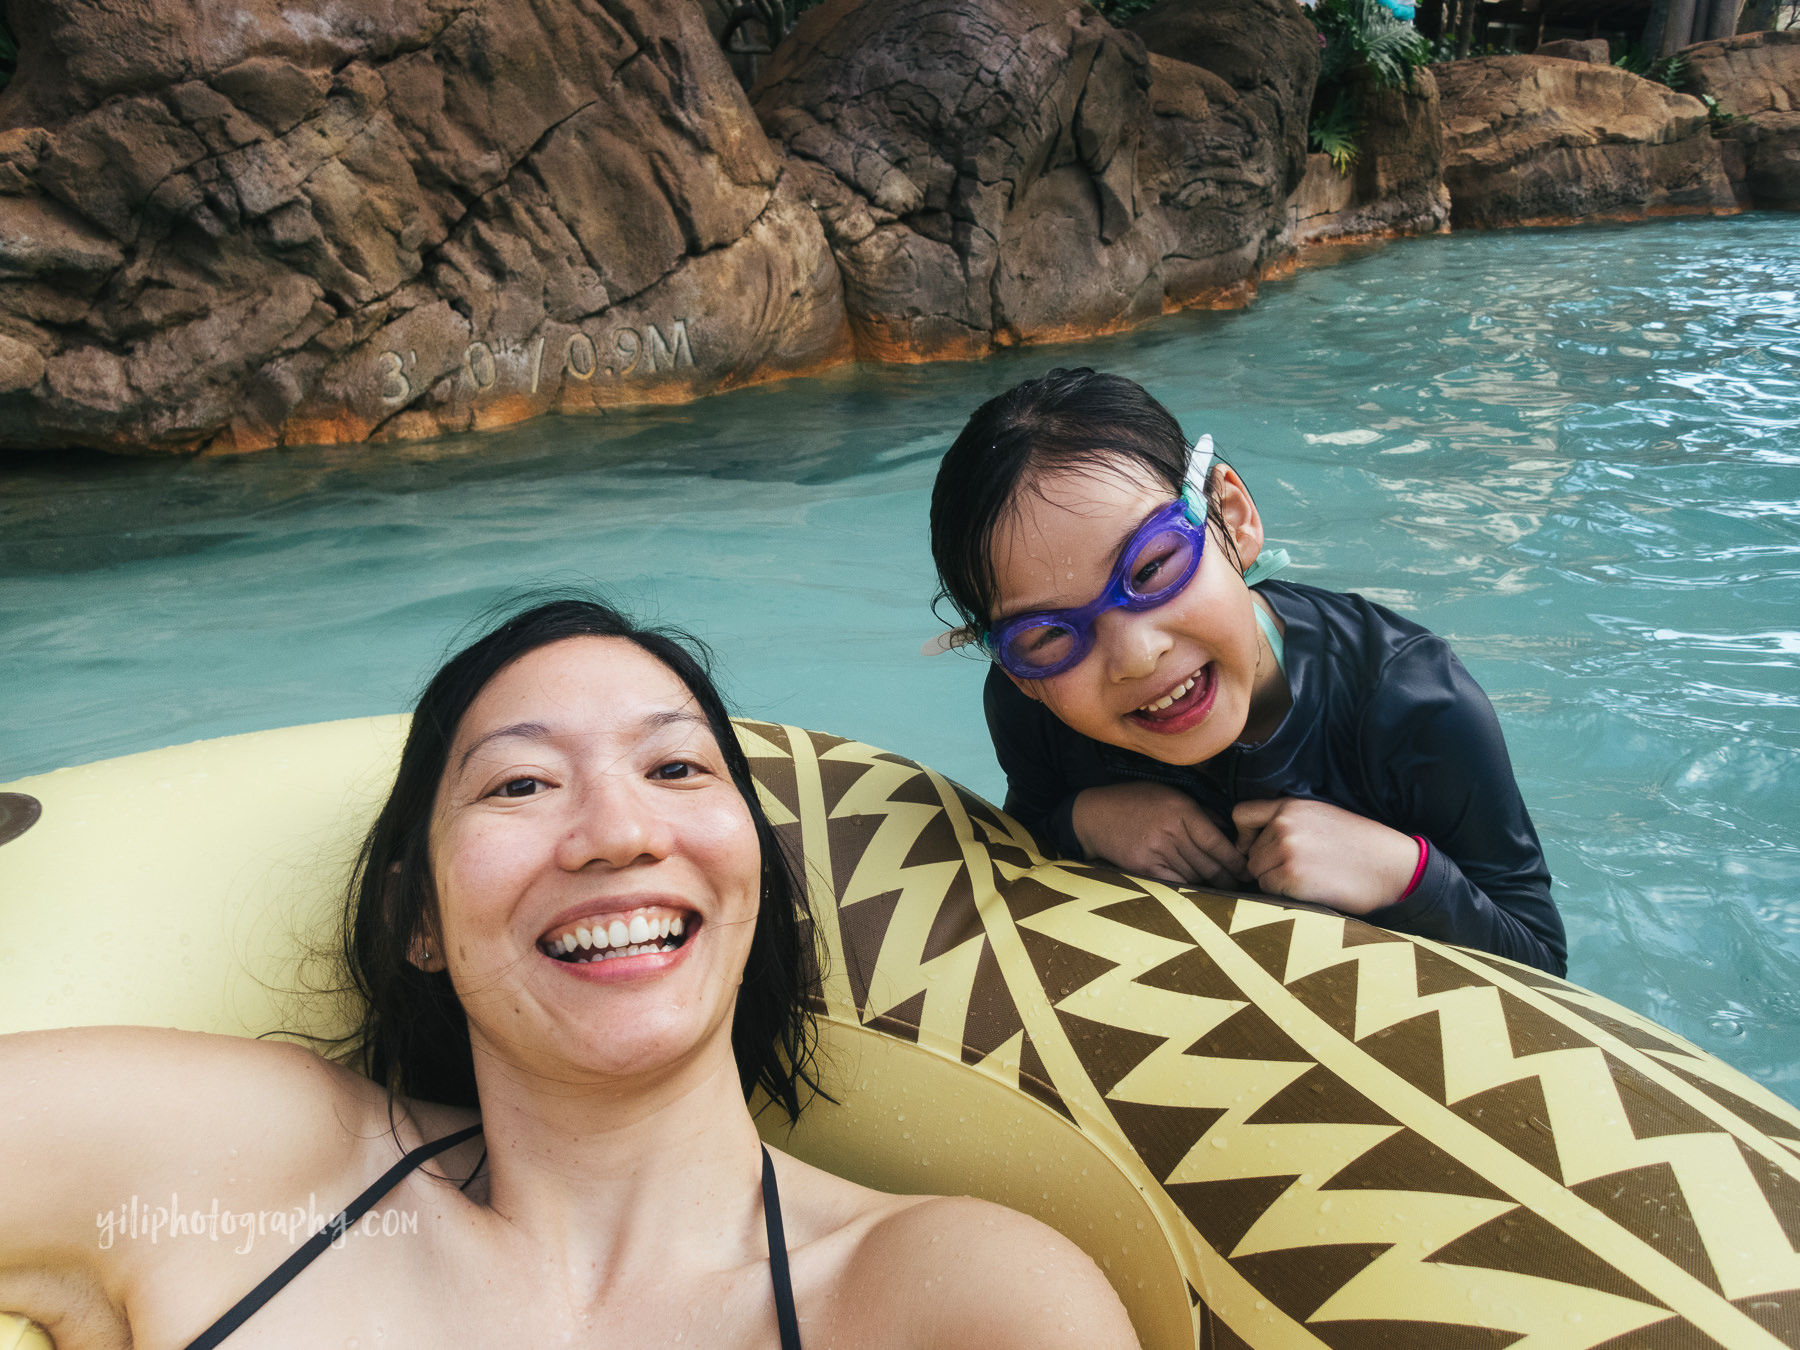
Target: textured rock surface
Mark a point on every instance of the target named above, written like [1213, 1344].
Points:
[1232, 91]
[236, 225]
[1593, 51]
[1539, 140]
[1757, 76]
[994, 171]
[1396, 186]
[1266, 50]
[958, 148]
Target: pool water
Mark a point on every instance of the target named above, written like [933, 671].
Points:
[1574, 453]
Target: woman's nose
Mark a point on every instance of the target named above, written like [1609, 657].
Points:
[613, 826]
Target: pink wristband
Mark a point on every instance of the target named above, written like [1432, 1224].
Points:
[1418, 871]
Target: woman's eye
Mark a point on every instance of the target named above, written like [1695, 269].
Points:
[519, 787]
[674, 771]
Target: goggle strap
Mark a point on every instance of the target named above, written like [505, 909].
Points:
[1199, 465]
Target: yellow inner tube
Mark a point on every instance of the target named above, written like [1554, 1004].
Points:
[1271, 1126]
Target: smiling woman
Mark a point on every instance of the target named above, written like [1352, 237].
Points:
[580, 940]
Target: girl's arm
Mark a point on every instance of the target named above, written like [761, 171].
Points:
[1438, 767]
[1058, 788]
[1041, 783]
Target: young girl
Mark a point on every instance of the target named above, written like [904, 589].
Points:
[1156, 702]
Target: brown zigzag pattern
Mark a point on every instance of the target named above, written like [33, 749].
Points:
[1368, 1139]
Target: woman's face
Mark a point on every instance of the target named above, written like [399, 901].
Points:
[1179, 682]
[597, 872]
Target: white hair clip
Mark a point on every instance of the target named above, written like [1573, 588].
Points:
[948, 641]
[1199, 463]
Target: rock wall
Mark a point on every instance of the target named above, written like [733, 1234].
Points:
[1265, 50]
[228, 227]
[237, 225]
[1231, 94]
[1395, 188]
[1593, 51]
[997, 171]
[1532, 140]
[1757, 77]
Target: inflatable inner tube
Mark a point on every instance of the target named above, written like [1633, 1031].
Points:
[1272, 1126]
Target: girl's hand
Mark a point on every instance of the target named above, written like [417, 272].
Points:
[1157, 831]
[1307, 850]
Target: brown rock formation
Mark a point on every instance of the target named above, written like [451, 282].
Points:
[974, 163]
[1266, 50]
[237, 225]
[1539, 140]
[1592, 51]
[995, 171]
[1396, 186]
[1757, 77]
[1232, 90]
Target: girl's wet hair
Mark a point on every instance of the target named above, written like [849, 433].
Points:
[1067, 419]
[414, 1037]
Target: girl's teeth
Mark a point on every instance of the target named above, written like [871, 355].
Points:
[585, 938]
[1168, 699]
[617, 933]
[639, 931]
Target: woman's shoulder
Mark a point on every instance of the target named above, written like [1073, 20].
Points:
[121, 1098]
[992, 1278]
[997, 1278]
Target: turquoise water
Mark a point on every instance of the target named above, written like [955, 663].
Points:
[1574, 453]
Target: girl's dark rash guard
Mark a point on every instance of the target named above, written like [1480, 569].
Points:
[1386, 723]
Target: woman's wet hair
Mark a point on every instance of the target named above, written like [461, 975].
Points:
[414, 1037]
[1077, 420]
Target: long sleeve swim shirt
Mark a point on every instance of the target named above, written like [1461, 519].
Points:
[1386, 723]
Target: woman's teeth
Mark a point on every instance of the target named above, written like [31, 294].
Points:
[621, 937]
[1169, 699]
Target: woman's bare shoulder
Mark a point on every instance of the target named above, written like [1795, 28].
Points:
[995, 1279]
[175, 1076]
[951, 1271]
[97, 1110]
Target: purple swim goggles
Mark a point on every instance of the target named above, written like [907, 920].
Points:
[1154, 567]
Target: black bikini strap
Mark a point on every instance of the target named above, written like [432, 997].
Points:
[778, 1262]
[244, 1308]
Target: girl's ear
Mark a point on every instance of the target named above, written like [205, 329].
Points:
[1239, 512]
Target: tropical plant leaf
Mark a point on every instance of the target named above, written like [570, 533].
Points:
[1364, 37]
[1334, 133]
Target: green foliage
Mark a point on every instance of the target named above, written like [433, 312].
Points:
[1334, 132]
[1364, 45]
[1670, 70]
[1717, 119]
[1363, 37]
[1120, 10]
